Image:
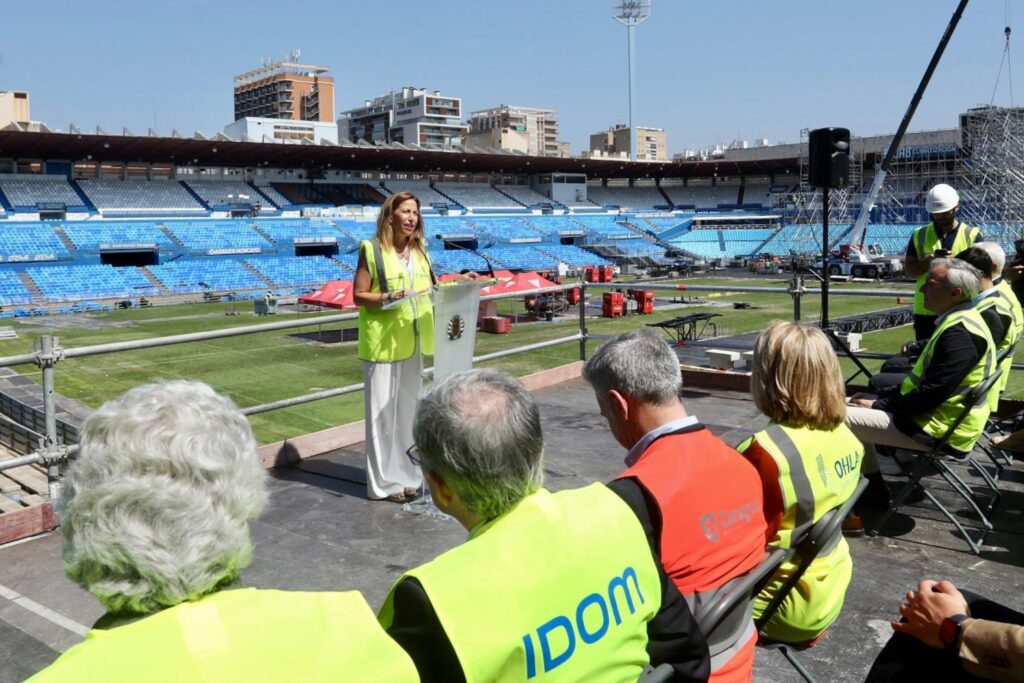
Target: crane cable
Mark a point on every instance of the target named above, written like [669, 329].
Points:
[1005, 60]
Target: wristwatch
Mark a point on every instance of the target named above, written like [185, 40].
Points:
[949, 630]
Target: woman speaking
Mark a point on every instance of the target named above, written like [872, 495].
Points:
[393, 265]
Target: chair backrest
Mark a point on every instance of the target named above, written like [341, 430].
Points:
[976, 395]
[740, 593]
[660, 674]
[821, 535]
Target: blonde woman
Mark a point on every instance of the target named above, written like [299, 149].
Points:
[392, 266]
[809, 463]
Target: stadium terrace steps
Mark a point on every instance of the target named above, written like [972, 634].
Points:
[264, 233]
[252, 269]
[33, 289]
[195, 195]
[174, 238]
[144, 271]
[64, 238]
[5, 205]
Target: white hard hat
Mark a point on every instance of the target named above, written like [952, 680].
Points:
[941, 198]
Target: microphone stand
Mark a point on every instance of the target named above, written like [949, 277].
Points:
[487, 260]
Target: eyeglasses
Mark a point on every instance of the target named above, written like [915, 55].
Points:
[413, 454]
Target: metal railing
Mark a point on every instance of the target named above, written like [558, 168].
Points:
[52, 452]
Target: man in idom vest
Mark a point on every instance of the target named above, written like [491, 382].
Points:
[549, 586]
[959, 355]
[944, 236]
[704, 532]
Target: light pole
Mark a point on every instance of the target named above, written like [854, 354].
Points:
[629, 13]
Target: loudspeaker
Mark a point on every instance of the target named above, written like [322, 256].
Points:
[829, 157]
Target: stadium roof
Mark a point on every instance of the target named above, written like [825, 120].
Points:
[222, 151]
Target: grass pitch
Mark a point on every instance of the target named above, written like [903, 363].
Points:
[264, 367]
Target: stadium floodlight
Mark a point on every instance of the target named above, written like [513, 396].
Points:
[629, 13]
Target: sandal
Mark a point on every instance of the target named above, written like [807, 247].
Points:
[411, 493]
[395, 498]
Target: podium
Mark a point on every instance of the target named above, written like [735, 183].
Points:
[455, 314]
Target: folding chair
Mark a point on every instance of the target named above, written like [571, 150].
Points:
[824, 534]
[661, 674]
[934, 458]
[1000, 458]
[719, 616]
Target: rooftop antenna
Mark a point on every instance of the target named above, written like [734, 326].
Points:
[629, 13]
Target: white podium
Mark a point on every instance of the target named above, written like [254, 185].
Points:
[455, 313]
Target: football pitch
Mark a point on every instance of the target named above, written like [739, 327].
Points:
[269, 366]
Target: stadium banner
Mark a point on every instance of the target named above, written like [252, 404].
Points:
[230, 252]
[455, 312]
[20, 258]
[126, 246]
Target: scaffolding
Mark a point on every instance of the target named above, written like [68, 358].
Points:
[991, 168]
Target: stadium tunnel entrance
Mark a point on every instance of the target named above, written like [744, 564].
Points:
[122, 259]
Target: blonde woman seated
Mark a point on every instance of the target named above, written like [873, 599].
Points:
[809, 462]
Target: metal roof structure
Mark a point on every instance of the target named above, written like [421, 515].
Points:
[223, 151]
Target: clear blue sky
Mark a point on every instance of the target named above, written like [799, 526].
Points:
[708, 72]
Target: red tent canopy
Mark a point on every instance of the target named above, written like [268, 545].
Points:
[335, 294]
[521, 282]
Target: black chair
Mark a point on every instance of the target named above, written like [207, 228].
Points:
[719, 617]
[822, 536]
[661, 674]
[935, 458]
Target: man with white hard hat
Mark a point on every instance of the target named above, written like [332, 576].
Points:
[943, 237]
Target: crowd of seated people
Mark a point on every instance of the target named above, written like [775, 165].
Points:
[167, 480]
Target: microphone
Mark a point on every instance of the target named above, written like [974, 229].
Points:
[490, 267]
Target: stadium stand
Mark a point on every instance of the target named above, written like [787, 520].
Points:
[657, 224]
[202, 236]
[455, 261]
[573, 255]
[525, 195]
[181, 277]
[357, 231]
[223, 193]
[477, 196]
[427, 195]
[273, 195]
[757, 194]
[627, 197]
[90, 235]
[90, 281]
[12, 290]
[139, 197]
[26, 241]
[704, 197]
[605, 226]
[505, 229]
[28, 191]
[285, 231]
[295, 271]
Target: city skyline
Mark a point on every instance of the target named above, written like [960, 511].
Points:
[707, 75]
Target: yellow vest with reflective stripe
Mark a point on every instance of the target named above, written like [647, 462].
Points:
[926, 240]
[1018, 315]
[818, 471]
[390, 335]
[560, 588]
[242, 635]
[936, 422]
[1001, 303]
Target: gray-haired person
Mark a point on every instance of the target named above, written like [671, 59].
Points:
[546, 581]
[671, 465]
[959, 355]
[156, 525]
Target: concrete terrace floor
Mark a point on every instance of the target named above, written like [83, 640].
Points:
[320, 533]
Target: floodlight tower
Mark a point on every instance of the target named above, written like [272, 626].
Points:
[629, 13]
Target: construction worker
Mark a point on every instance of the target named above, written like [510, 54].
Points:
[944, 236]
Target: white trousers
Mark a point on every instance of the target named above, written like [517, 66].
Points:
[877, 427]
[389, 401]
